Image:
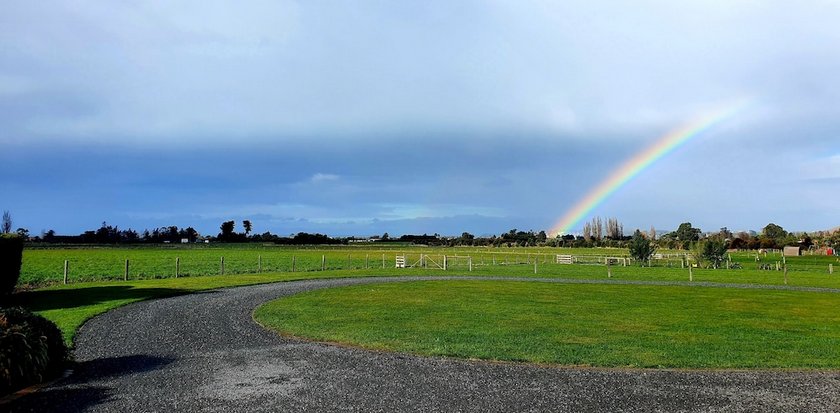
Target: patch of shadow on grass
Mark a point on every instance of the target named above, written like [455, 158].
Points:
[43, 300]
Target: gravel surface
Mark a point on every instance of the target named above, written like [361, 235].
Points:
[203, 352]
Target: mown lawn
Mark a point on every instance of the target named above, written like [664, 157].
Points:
[592, 325]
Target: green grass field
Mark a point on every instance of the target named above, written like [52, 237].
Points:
[592, 325]
[95, 281]
[45, 266]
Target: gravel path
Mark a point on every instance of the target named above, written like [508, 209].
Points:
[203, 352]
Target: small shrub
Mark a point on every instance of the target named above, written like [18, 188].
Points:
[710, 253]
[641, 249]
[714, 251]
[31, 349]
[11, 255]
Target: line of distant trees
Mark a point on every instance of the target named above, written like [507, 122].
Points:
[597, 233]
[108, 234]
[771, 236]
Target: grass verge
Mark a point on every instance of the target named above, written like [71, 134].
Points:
[594, 325]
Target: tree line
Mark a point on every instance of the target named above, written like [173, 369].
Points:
[597, 232]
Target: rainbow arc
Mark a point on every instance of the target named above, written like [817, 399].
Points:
[643, 160]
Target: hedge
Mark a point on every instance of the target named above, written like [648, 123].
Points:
[11, 256]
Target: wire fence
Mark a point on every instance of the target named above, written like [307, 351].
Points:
[66, 266]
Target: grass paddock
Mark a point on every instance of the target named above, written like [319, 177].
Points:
[570, 324]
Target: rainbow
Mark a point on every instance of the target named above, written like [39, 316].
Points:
[641, 161]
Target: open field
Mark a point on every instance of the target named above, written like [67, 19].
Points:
[96, 285]
[43, 266]
[573, 324]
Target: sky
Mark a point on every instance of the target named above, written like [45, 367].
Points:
[364, 117]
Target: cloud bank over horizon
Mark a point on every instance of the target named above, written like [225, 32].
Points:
[356, 118]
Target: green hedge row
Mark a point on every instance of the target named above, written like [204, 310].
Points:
[11, 255]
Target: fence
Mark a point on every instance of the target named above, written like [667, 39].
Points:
[91, 265]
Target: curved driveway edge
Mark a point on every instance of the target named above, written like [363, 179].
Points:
[203, 352]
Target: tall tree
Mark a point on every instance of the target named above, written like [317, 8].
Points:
[615, 230]
[773, 236]
[686, 234]
[189, 233]
[599, 228]
[587, 232]
[7, 222]
[173, 234]
[246, 224]
[227, 230]
[774, 231]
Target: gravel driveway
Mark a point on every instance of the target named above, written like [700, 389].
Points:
[203, 352]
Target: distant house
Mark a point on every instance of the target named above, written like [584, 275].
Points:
[792, 251]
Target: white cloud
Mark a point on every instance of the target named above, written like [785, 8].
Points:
[321, 177]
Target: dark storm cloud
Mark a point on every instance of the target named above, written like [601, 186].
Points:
[369, 115]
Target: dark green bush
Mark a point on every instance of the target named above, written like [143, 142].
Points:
[11, 255]
[31, 349]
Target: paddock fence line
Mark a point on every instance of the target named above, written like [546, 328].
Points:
[92, 267]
